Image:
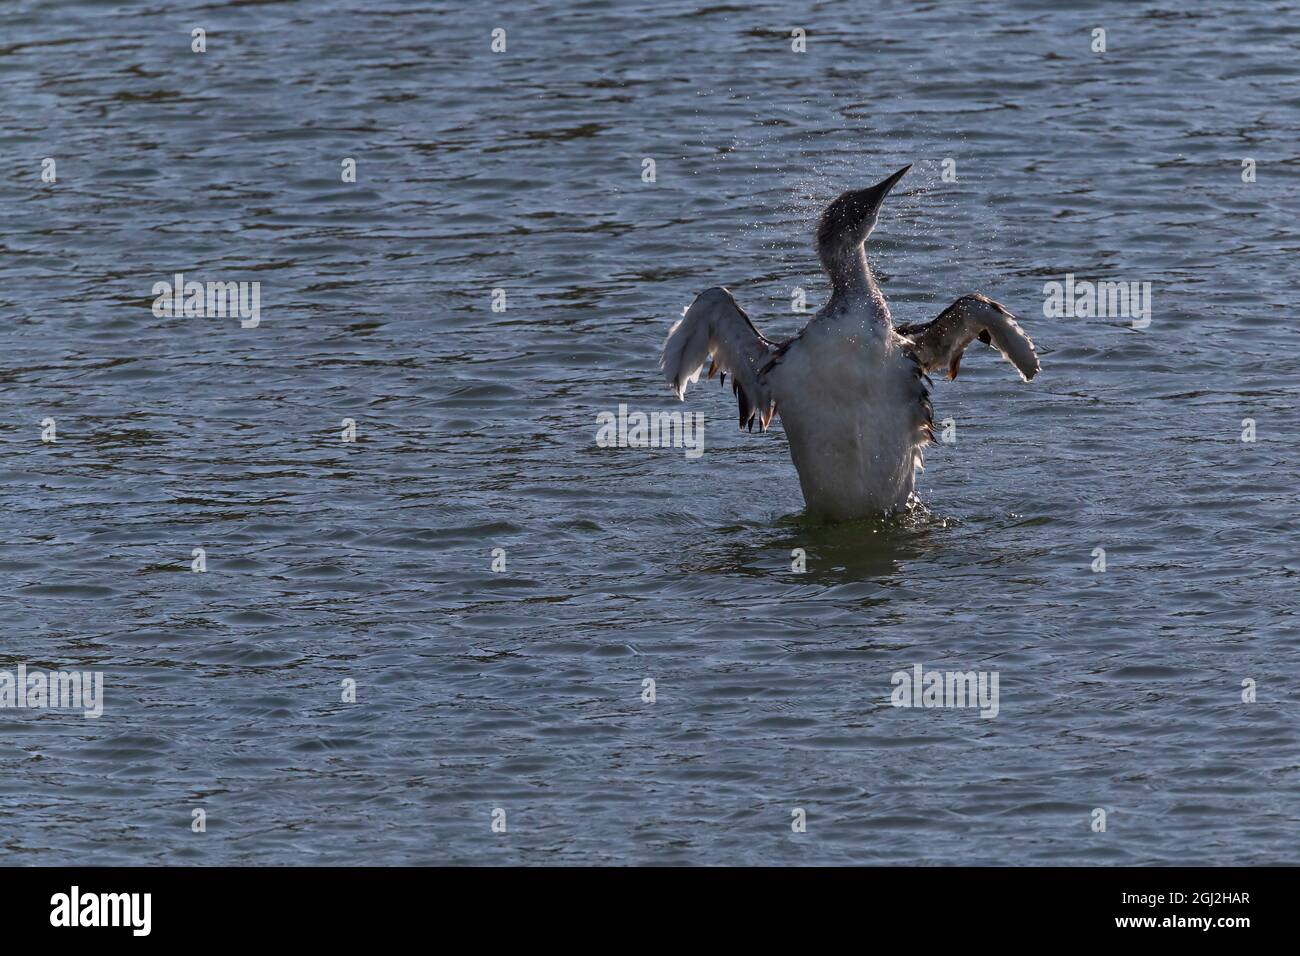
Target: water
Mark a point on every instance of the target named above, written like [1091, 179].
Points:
[522, 690]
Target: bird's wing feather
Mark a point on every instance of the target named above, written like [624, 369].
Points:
[939, 344]
[716, 326]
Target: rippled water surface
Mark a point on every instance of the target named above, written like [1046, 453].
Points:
[522, 689]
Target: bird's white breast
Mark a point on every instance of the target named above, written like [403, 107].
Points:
[848, 397]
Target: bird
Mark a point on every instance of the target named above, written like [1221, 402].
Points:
[852, 389]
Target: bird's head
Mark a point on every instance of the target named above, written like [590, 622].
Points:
[848, 221]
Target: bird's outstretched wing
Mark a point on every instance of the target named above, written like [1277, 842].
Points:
[940, 344]
[716, 326]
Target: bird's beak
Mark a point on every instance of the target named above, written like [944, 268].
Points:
[869, 199]
[881, 189]
[888, 184]
[851, 217]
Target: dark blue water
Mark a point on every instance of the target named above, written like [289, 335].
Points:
[521, 690]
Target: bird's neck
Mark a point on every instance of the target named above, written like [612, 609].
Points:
[853, 287]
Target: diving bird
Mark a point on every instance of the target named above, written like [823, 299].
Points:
[852, 388]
